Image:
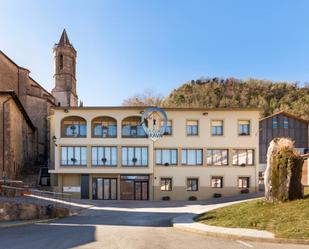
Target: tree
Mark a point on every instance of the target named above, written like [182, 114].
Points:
[148, 98]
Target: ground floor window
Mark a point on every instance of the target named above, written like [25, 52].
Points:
[243, 182]
[217, 182]
[192, 184]
[166, 184]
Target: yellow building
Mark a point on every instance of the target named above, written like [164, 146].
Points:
[104, 153]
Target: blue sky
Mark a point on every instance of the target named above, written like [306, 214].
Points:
[125, 47]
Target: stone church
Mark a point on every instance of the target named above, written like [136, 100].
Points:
[25, 107]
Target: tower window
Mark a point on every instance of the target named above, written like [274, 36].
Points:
[61, 61]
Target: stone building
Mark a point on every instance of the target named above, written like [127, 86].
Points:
[25, 107]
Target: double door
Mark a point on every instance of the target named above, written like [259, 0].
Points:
[104, 189]
[141, 190]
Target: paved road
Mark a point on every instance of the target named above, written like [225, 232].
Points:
[122, 225]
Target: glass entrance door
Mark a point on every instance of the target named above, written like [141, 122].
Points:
[141, 190]
[104, 189]
[134, 187]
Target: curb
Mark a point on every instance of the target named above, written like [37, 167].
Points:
[236, 237]
[23, 223]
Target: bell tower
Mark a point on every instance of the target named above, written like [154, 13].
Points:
[64, 72]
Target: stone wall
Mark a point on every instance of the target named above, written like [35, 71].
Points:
[17, 139]
[37, 102]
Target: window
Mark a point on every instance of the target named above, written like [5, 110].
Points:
[134, 156]
[169, 128]
[61, 61]
[166, 157]
[285, 123]
[166, 184]
[73, 155]
[217, 182]
[217, 157]
[244, 127]
[243, 157]
[217, 128]
[74, 127]
[132, 127]
[105, 127]
[192, 128]
[104, 156]
[192, 157]
[275, 122]
[243, 182]
[192, 184]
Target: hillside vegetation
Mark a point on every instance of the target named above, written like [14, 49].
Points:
[268, 95]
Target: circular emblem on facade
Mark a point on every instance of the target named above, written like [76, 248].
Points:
[154, 121]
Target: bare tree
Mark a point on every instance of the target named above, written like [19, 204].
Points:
[148, 98]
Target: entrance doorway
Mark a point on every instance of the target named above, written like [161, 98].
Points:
[134, 188]
[104, 189]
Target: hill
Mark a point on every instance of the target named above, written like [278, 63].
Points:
[268, 95]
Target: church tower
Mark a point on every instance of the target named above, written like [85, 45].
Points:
[64, 72]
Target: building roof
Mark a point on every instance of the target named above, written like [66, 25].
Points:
[64, 39]
[144, 107]
[20, 107]
[289, 115]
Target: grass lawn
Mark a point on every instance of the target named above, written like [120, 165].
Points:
[285, 220]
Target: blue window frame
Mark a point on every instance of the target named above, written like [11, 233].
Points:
[275, 122]
[285, 123]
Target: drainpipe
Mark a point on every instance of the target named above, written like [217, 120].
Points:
[3, 137]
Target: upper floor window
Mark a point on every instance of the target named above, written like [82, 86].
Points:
[192, 127]
[73, 155]
[169, 128]
[132, 127]
[244, 127]
[166, 184]
[104, 127]
[285, 122]
[243, 182]
[217, 128]
[166, 157]
[243, 157]
[134, 156]
[192, 157]
[73, 126]
[104, 156]
[192, 184]
[275, 122]
[217, 157]
[217, 182]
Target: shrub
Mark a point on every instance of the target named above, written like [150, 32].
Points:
[217, 195]
[166, 198]
[192, 198]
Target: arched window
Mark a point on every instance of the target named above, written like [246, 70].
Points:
[74, 126]
[104, 127]
[61, 61]
[132, 127]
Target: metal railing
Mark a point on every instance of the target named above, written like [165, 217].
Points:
[24, 194]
